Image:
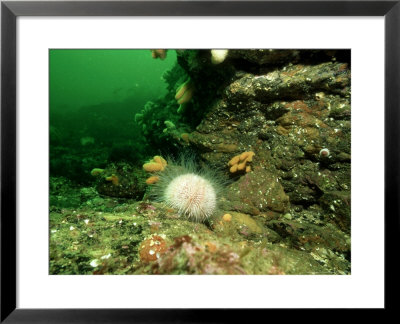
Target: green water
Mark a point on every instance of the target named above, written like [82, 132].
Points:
[94, 96]
[81, 78]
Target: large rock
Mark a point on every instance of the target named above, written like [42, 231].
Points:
[257, 191]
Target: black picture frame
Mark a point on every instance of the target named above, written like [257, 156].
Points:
[10, 10]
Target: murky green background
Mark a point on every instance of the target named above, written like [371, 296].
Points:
[94, 96]
[90, 77]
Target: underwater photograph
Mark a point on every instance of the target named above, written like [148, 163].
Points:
[200, 161]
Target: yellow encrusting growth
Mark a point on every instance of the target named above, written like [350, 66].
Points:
[239, 162]
[157, 164]
[152, 179]
[159, 53]
[185, 137]
[234, 160]
[160, 160]
[96, 171]
[114, 179]
[184, 94]
[227, 217]
[152, 167]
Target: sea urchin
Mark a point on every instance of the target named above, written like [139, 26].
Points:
[191, 195]
[191, 191]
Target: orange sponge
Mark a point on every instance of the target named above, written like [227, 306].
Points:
[114, 179]
[152, 179]
[157, 164]
[152, 167]
[239, 162]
